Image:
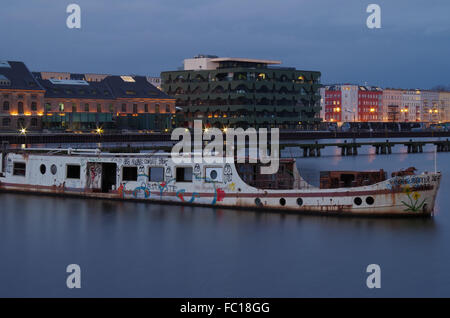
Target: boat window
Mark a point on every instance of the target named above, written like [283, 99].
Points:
[43, 169]
[156, 174]
[130, 174]
[53, 169]
[184, 174]
[214, 174]
[19, 169]
[73, 172]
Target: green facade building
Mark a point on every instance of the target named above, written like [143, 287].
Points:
[235, 92]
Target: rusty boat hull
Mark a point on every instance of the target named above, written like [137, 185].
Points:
[155, 178]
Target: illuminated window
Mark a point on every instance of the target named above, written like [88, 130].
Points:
[33, 106]
[127, 79]
[61, 107]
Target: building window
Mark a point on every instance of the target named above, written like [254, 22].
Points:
[184, 174]
[33, 106]
[5, 96]
[73, 172]
[99, 108]
[111, 108]
[124, 108]
[34, 122]
[167, 108]
[61, 107]
[86, 108]
[157, 108]
[135, 110]
[156, 174]
[74, 108]
[20, 97]
[129, 174]
[5, 105]
[146, 108]
[19, 169]
[20, 107]
[6, 122]
[21, 123]
[48, 107]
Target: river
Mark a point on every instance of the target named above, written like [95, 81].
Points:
[128, 249]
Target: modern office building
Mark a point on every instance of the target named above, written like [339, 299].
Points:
[241, 92]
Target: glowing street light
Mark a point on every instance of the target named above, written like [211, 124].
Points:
[99, 131]
[23, 131]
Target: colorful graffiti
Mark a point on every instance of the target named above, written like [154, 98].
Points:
[144, 189]
[180, 195]
[414, 197]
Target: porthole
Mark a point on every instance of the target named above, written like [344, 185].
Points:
[299, 201]
[370, 200]
[43, 169]
[258, 202]
[358, 201]
[53, 169]
[213, 174]
[283, 201]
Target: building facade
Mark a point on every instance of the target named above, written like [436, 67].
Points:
[79, 104]
[392, 105]
[352, 103]
[235, 92]
[21, 98]
[444, 106]
[71, 101]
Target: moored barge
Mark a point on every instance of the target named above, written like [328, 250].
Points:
[156, 178]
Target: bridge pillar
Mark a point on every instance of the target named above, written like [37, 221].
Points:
[349, 151]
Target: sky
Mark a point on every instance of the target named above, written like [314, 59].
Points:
[145, 37]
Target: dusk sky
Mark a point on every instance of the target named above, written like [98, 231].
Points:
[411, 50]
